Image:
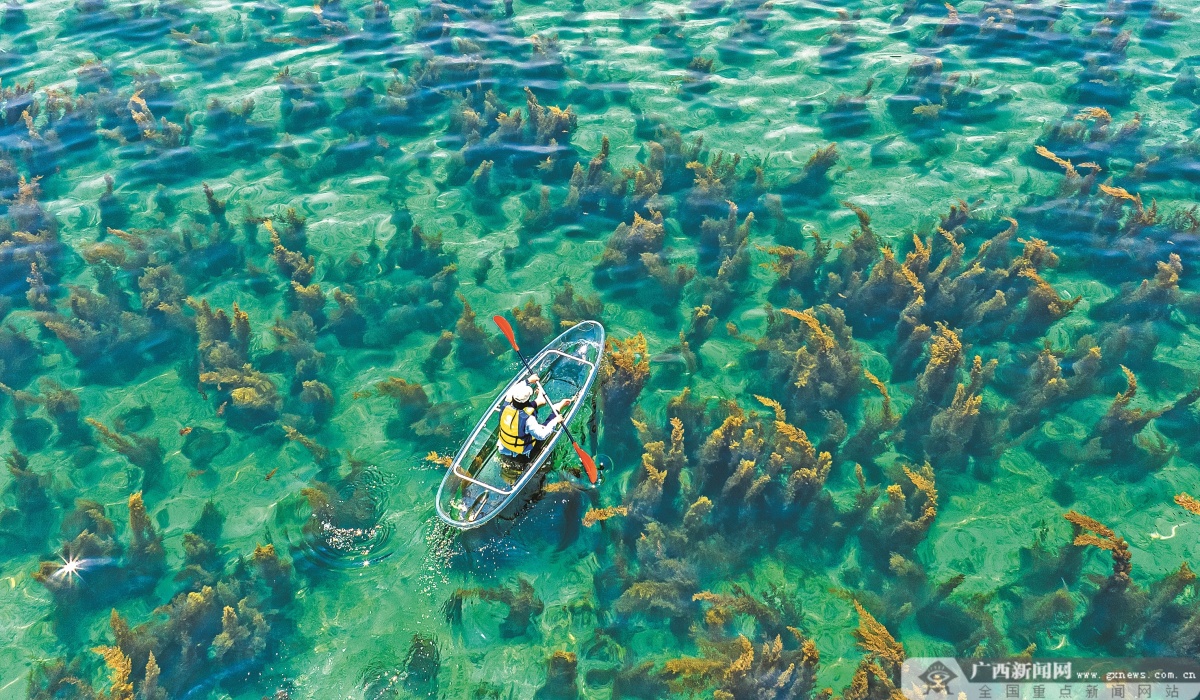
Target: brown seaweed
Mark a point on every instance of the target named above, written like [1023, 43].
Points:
[26, 523]
[142, 452]
[522, 602]
[561, 678]
[903, 519]
[738, 668]
[811, 361]
[569, 307]
[624, 372]
[474, 347]
[1108, 621]
[624, 255]
[1116, 433]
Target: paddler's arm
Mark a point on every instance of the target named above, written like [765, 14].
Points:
[541, 431]
[538, 430]
[539, 399]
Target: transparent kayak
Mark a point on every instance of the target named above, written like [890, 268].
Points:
[480, 484]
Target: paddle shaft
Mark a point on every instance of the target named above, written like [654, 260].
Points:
[546, 396]
[585, 458]
[588, 464]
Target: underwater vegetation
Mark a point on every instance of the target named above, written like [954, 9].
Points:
[223, 624]
[900, 299]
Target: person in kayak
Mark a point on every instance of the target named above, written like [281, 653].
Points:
[520, 431]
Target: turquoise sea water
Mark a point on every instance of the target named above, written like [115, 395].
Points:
[289, 542]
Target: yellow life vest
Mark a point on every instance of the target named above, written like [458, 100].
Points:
[513, 433]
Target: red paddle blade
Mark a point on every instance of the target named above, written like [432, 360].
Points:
[507, 330]
[588, 465]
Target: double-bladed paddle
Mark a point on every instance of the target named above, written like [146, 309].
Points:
[589, 465]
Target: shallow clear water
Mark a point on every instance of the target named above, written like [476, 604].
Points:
[357, 122]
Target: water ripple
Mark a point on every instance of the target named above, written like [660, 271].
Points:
[339, 528]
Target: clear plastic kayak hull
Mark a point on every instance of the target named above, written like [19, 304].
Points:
[480, 484]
